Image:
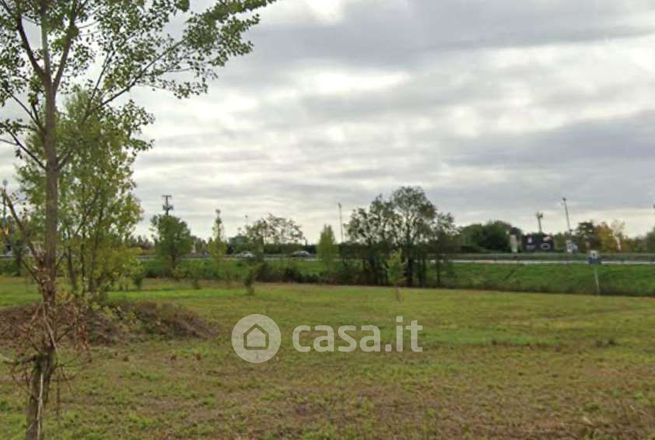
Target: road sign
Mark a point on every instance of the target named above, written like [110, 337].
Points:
[594, 258]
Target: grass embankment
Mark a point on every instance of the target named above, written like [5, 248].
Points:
[628, 280]
[573, 278]
[495, 365]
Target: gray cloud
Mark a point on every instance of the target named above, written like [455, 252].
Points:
[497, 108]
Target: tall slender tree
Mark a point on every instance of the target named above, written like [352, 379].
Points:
[98, 210]
[414, 215]
[327, 249]
[173, 240]
[217, 245]
[371, 232]
[47, 49]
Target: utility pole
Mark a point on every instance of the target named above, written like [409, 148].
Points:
[167, 205]
[571, 247]
[341, 220]
[568, 218]
[540, 217]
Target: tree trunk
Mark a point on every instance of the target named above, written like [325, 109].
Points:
[399, 296]
[438, 263]
[410, 272]
[45, 362]
[72, 274]
[18, 258]
[49, 284]
[40, 379]
[94, 282]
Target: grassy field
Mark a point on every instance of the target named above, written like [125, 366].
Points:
[495, 365]
[629, 280]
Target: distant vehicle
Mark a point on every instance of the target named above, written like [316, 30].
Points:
[245, 255]
[301, 254]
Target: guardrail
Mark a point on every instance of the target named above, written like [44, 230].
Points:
[562, 257]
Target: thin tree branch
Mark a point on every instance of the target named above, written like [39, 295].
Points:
[6, 7]
[85, 217]
[66, 156]
[105, 67]
[139, 76]
[22, 147]
[28, 48]
[45, 45]
[32, 113]
[68, 43]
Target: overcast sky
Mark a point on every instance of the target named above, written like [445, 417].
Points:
[497, 108]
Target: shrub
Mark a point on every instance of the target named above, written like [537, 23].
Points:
[251, 277]
[348, 272]
[291, 274]
[154, 268]
[138, 274]
[8, 267]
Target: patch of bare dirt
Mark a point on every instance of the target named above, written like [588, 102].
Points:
[118, 322]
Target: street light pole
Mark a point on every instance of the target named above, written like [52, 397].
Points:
[540, 217]
[568, 218]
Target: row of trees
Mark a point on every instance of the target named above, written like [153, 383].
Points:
[277, 235]
[406, 222]
[173, 240]
[406, 226]
[99, 214]
[588, 235]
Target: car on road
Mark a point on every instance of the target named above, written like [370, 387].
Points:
[301, 254]
[245, 255]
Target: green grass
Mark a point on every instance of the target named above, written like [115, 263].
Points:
[495, 365]
[16, 291]
[575, 278]
[628, 280]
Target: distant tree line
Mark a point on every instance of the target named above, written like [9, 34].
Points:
[99, 215]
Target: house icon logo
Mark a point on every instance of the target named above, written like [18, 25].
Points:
[256, 339]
